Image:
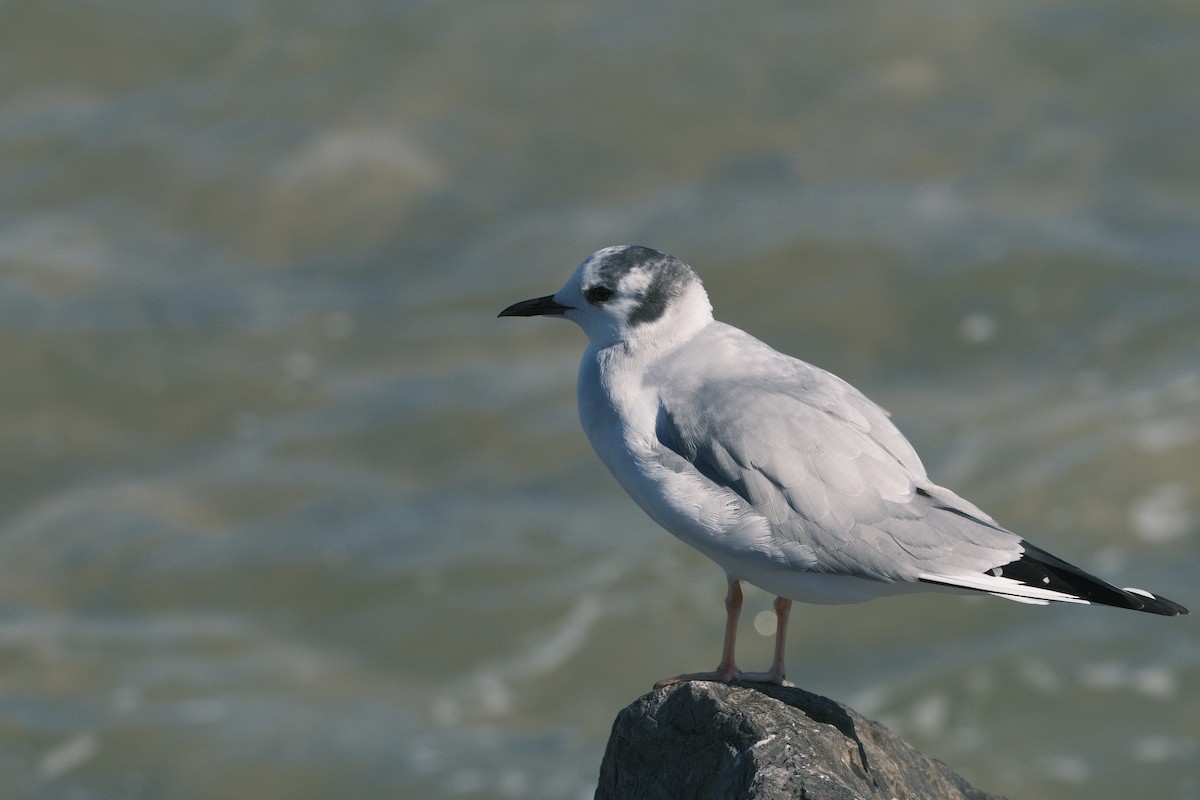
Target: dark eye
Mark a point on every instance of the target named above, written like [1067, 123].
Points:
[597, 294]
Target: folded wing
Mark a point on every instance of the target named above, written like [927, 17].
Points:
[836, 481]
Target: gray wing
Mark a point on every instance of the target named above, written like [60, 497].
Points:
[839, 485]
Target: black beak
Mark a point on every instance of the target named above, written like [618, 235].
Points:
[537, 307]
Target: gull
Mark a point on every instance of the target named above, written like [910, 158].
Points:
[784, 474]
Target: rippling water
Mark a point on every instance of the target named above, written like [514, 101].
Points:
[286, 512]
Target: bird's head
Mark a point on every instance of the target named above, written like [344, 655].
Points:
[624, 293]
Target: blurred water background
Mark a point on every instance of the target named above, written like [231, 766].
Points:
[286, 512]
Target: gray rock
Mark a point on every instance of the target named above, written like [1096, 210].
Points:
[711, 740]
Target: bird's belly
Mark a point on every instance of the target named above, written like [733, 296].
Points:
[691, 509]
[807, 586]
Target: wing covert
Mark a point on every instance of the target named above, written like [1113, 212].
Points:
[826, 468]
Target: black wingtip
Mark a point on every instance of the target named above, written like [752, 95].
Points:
[1036, 567]
[1156, 604]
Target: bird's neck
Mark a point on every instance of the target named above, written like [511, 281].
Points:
[646, 342]
[613, 392]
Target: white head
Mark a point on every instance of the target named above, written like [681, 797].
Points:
[626, 293]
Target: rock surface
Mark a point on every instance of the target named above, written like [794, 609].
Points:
[760, 742]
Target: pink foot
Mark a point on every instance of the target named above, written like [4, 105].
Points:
[720, 674]
[772, 676]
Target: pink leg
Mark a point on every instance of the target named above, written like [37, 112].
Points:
[783, 608]
[727, 670]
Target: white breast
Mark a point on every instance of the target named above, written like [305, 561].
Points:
[619, 413]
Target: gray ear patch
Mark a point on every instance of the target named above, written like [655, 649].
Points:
[668, 278]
